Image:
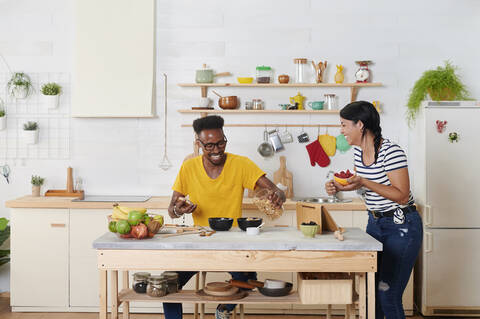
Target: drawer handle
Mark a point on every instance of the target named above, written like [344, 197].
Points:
[57, 225]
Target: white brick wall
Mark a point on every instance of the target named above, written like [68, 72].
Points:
[120, 156]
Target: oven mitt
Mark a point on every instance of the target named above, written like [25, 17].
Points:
[328, 143]
[317, 154]
[342, 144]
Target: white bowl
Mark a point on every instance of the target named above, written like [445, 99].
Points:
[274, 284]
[253, 230]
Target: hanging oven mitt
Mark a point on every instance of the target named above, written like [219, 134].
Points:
[328, 143]
[317, 154]
[342, 144]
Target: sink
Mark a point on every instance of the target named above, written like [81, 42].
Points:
[322, 200]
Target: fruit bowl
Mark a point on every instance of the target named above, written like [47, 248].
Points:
[133, 223]
[342, 177]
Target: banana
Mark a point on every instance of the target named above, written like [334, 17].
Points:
[118, 214]
[127, 210]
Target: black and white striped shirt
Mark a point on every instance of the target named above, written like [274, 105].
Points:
[390, 157]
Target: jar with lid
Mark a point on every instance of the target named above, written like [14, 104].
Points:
[264, 74]
[157, 286]
[257, 104]
[140, 281]
[300, 68]
[172, 281]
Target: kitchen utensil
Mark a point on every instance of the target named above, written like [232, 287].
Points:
[241, 284]
[220, 223]
[165, 164]
[330, 102]
[6, 172]
[255, 283]
[298, 99]
[69, 191]
[275, 140]
[238, 295]
[300, 68]
[245, 80]
[283, 79]
[363, 73]
[218, 286]
[265, 148]
[69, 180]
[231, 291]
[245, 222]
[316, 105]
[276, 292]
[319, 70]
[286, 136]
[252, 231]
[206, 75]
[227, 102]
[284, 176]
[274, 284]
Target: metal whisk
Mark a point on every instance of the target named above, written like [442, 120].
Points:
[165, 164]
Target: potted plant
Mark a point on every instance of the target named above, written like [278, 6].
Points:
[37, 183]
[441, 84]
[4, 235]
[20, 85]
[51, 93]
[3, 120]
[30, 132]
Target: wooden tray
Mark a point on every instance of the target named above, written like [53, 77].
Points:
[239, 295]
[218, 286]
[64, 193]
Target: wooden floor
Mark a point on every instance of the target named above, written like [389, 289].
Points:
[5, 313]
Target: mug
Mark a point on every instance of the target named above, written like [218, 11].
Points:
[316, 105]
[204, 102]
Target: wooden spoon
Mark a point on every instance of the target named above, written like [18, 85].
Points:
[216, 93]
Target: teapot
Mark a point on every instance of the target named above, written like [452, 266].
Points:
[298, 99]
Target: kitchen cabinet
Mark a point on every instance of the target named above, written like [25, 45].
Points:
[39, 258]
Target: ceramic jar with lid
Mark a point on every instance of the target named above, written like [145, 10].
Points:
[257, 104]
[140, 282]
[172, 281]
[264, 74]
[157, 286]
[300, 68]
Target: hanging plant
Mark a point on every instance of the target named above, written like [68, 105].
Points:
[442, 84]
[51, 93]
[20, 85]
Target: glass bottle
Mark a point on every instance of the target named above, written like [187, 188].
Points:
[300, 67]
[157, 286]
[140, 281]
[264, 74]
[172, 281]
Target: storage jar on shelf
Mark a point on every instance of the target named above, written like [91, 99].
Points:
[157, 286]
[300, 67]
[140, 281]
[264, 74]
[172, 281]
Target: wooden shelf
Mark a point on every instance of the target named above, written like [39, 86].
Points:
[276, 85]
[262, 111]
[189, 296]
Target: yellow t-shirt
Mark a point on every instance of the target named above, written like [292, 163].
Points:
[220, 197]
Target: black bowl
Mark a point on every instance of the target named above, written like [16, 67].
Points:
[220, 223]
[276, 292]
[244, 222]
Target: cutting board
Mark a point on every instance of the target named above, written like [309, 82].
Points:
[284, 176]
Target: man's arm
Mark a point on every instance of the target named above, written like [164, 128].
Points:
[278, 196]
[179, 205]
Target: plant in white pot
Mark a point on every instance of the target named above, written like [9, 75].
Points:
[30, 132]
[37, 183]
[3, 120]
[51, 93]
[20, 85]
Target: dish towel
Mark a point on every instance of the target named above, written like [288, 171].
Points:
[317, 154]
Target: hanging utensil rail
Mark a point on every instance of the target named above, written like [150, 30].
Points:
[274, 125]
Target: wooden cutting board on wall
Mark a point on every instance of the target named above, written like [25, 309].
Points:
[284, 176]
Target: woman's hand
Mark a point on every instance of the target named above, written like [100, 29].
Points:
[330, 188]
[354, 182]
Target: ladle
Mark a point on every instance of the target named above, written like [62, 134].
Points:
[165, 164]
[216, 93]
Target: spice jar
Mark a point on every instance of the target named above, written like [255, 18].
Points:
[172, 281]
[300, 67]
[157, 286]
[264, 74]
[140, 281]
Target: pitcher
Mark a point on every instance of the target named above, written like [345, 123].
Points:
[298, 99]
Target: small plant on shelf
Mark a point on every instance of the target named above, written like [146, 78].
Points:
[30, 132]
[20, 85]
[37, 183]
[441, 84]
[51, 93]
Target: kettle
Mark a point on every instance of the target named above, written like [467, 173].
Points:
[298, 99]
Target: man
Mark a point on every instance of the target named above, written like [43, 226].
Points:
[215, 184]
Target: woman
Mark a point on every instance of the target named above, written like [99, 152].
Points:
[381, 168]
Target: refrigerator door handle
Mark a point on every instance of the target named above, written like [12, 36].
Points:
[428, 215]
[428, 242]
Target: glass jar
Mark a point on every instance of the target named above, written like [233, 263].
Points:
[262, 200]
[257, 104]
[300, 67]
[264, 74]
[172, 281]
[140, 281]
[157, 286]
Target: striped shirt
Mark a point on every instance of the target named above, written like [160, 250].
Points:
[390, 157]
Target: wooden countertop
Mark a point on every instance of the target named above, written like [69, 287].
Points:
[156, 202]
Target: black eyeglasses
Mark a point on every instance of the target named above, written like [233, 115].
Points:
[211, 146]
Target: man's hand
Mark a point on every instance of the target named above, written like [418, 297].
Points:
[183, 206]
[277, 197]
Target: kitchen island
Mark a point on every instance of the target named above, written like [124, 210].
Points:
[274, 250]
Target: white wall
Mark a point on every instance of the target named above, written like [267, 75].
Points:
[120, 156]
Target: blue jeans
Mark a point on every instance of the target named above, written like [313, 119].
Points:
[175, 310]
[401, 244]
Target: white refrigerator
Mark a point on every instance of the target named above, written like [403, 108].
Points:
[445, 179]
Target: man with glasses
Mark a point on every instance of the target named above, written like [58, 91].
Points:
[215, 183]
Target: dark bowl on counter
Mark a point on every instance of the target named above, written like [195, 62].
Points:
[276, 292]
[245, 222]
[220, 223]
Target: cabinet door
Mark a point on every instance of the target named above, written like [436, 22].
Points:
[39, 266]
